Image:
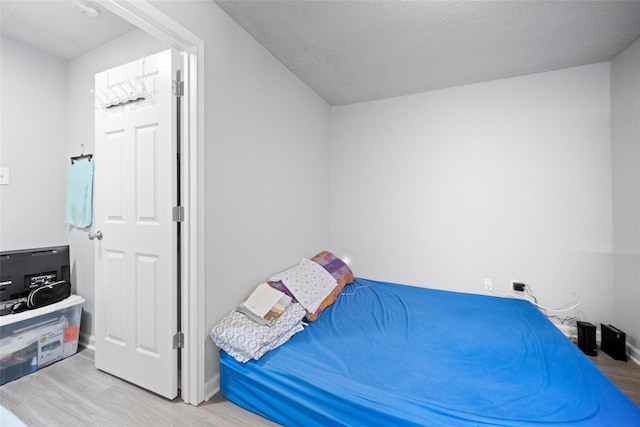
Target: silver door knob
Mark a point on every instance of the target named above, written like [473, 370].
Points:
[96, 235]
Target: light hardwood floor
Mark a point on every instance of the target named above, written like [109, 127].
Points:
[626, 375]
[73, 393]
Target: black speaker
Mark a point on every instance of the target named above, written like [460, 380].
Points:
[613, 342]
[587, 338]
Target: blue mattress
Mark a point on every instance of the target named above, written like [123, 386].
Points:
[395, 355]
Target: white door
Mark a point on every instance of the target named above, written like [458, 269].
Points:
[136, 307]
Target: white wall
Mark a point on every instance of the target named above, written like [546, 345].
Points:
[33, 147]
[267, 160]
[625, 140]
[267, 164]
[508, 179]
[80, 130]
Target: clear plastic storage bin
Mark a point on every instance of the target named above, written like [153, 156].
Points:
[36, 338]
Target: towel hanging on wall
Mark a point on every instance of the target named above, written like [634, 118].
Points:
[80, 193]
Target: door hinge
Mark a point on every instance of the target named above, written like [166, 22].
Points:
[178, 214]
[178, 340]
[178, 88]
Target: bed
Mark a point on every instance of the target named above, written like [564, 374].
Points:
[396, 355]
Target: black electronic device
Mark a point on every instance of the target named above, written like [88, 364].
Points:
[613, 342]
[22, 271]
[587, 338]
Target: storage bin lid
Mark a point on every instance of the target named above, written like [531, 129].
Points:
[30, 314]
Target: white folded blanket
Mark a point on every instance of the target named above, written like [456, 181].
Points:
[245, 339]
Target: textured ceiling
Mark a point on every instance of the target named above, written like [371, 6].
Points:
[353, 51]
[54, 26]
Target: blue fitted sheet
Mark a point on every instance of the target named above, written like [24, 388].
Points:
[394, 355]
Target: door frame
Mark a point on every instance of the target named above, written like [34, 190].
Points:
[159, 25]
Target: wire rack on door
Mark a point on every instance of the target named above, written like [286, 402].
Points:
[123, 91]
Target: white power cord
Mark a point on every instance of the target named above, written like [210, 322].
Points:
[511, 294]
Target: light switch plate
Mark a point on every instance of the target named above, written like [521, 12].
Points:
[4, 176]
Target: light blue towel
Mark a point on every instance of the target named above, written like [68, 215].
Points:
[80, 193]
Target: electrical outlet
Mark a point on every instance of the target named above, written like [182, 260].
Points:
[488, 284]
[4, 176]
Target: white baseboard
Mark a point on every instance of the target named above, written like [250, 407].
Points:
[633, 353]
[211, 387]
[87, 341]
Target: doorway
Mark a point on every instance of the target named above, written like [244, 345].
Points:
[191, 293]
